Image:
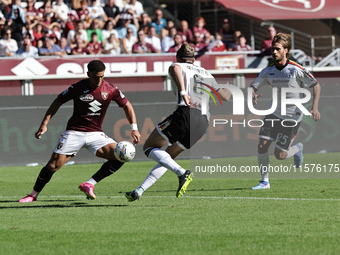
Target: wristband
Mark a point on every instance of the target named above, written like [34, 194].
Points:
[134, 126]
[183, 92]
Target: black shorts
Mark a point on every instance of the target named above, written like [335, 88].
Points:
[274, 130]
[185, 126]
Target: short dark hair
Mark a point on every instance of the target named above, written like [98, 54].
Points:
[96, 66]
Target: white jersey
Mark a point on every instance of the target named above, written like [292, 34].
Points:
[292, 75]
[198, 83]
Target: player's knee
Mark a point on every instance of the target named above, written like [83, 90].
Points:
[147, 150]
[280, 155]
[262, 149]
[53, 166]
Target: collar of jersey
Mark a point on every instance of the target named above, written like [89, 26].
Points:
[283, 66]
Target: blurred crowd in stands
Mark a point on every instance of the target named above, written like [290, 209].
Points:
[91, 27]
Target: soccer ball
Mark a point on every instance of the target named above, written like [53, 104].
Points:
[125, 151]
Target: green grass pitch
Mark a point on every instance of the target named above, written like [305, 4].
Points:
[215, 216]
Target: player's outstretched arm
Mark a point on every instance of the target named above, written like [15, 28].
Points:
[131, 117]
[316, 97]
[225, 94]
[48, 115]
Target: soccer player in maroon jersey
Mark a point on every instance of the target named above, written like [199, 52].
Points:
[91, 98]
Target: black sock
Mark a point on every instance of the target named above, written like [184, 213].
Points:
[108, 168]
[43, 178]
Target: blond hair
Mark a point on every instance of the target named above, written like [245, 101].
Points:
[285, 40]
[186, 52]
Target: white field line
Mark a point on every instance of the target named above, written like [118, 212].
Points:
[197, 197]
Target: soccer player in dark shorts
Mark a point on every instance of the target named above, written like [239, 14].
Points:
[284, 73]
[182, 129]
[91, 98]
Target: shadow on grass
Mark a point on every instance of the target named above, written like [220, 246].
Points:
[189, 190]
[40, 205]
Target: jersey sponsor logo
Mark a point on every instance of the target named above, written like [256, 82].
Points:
[86, 98]
[105, 95]
[121, 94]
[60, 145]
[95, 106]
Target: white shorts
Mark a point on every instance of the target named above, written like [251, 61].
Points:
[71, 142]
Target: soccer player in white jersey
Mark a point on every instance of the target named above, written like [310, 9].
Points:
[91, 99]
[284, 73]
[191, 111]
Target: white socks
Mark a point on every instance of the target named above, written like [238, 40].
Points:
[292, 151]
[164, 159]
[153, 176]
[91, 181]
[263, 160]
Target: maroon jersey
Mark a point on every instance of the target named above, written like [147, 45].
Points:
[90, 105]
[93, 47]
[83, 14]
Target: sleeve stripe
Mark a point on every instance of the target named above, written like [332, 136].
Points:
[301, 67]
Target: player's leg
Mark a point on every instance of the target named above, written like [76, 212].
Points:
[175, 131]
[284, 148]
[70, 142]
[103, 147]
[267, 135]
[55, 163]
[152, 149]
[263, 161]
[157, 172]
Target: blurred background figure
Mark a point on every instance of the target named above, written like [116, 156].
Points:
[94, 46]
[169, 41]
[153, 39]
[112, 11]
[199, 27]
[126, 23]
[112, 45]
[84, 14]
[135, 6]
[198, 44]
[231, 44]
[61, 10]
[185, 32]
[8, 46]
[227, 33]
[178, 43]
[79, 29]
[242, 44]
[141, 46]
[158, 22]
[109, 29]
[217, 45]
[79, 48]
[50, 49]
[31, 13]
[64, 46]
[266, 46]
[28, 50]
[128, 41]
[97, 12]
[144, 22]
